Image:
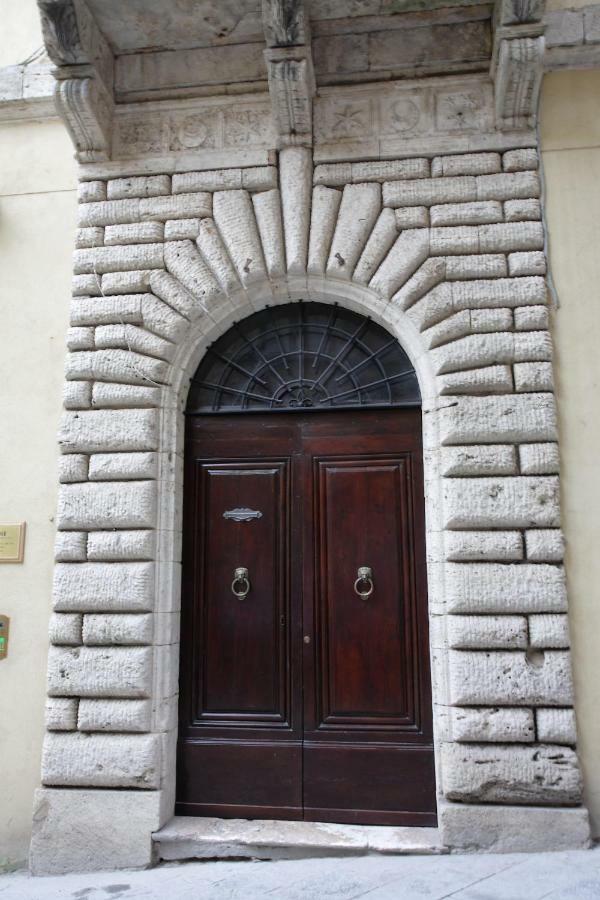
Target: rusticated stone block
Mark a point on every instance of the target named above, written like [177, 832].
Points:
[73, 467]
[520, 160]
[70, 546]
[406, 255]
[108, 212]
[295, 175]
[549, 631]
[178, 206]
[533, 376]
[267, 210]
[130, 396]
[531, 263]
[65, 629]
[112, 546]
[122, 466]
[125, 308]
[522, 210]
[324, 211]
[104, 587]
[488, 459]
[518, 502]
[476, 546]
[100, 671]
[510, 678]
[213, 251]
[80, 339]
[182, 229]
[133, 282]
[531, 318]
[234, 217]
[130, 337]
[117, 365]
[107, 505]
[98, 260]
[352, 230]
[556, 726]
[89, 237]
[77, 394]
[139, 233]
[411, 217]
[513, 186]
[109, 430]
[102, 760]
[121, 629]
[487, 632]
[213, 180]
[141, 186]
[183, 260]
[428, 192]
[497, 774]
[476, 213]
[377, 247]
[544, 545]
[61, 713]
[86, 285]
[333, 174]
[505, 587]
[539, 459]
[390, 170]
[491, 420]
[114, 715]
[89, 191]
[466, 164]
[493, 725]
[489, 380]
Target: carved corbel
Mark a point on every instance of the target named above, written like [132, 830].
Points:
[518, 82]
[84, 74]
[517, 61]
[290, 69]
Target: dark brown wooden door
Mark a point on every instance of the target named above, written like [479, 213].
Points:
[309, 696]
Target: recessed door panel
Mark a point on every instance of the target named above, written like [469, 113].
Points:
[244, 619]
[363, 652]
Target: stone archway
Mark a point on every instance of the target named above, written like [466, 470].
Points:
[448, 256]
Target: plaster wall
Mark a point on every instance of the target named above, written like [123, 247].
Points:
[570, 141]
[37, 206]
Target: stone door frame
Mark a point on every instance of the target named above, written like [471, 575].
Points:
[448, 256]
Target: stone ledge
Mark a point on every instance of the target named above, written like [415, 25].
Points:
[190, 837]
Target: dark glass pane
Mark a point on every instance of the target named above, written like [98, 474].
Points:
[303, 356]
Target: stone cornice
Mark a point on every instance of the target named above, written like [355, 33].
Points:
[89, 96]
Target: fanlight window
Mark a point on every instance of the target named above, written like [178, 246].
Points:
[308, 356]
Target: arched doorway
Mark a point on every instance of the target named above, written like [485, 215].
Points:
[305, 684]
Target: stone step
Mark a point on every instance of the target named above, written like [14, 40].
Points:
[190, 837]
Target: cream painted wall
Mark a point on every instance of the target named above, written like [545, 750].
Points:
[37, 221]
[570, 135]
[21, 34]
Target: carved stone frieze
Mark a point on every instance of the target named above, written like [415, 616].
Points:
[193, 126]
[387, 121]
[290, 68]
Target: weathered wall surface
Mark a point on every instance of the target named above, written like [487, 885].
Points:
[37, 213]
[570, 132]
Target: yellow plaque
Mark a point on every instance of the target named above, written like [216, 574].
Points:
[12, 543]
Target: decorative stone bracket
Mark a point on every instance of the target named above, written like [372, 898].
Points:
[517, 61]
[84, 73]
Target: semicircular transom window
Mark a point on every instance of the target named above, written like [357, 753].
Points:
[308, 356]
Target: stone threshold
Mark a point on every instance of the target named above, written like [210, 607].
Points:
[190, 837]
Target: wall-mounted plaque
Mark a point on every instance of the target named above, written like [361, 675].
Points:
[12, 543]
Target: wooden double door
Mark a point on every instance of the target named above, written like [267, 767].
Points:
[305, 686]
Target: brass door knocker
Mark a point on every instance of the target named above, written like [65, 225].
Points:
[240, 577]
[365, 579]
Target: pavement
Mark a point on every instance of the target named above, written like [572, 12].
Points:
[573, 875]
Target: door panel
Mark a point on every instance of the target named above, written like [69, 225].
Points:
[304, 699]
[244, 675]
[361, 640]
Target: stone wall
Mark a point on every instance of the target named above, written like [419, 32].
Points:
[448, 254]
